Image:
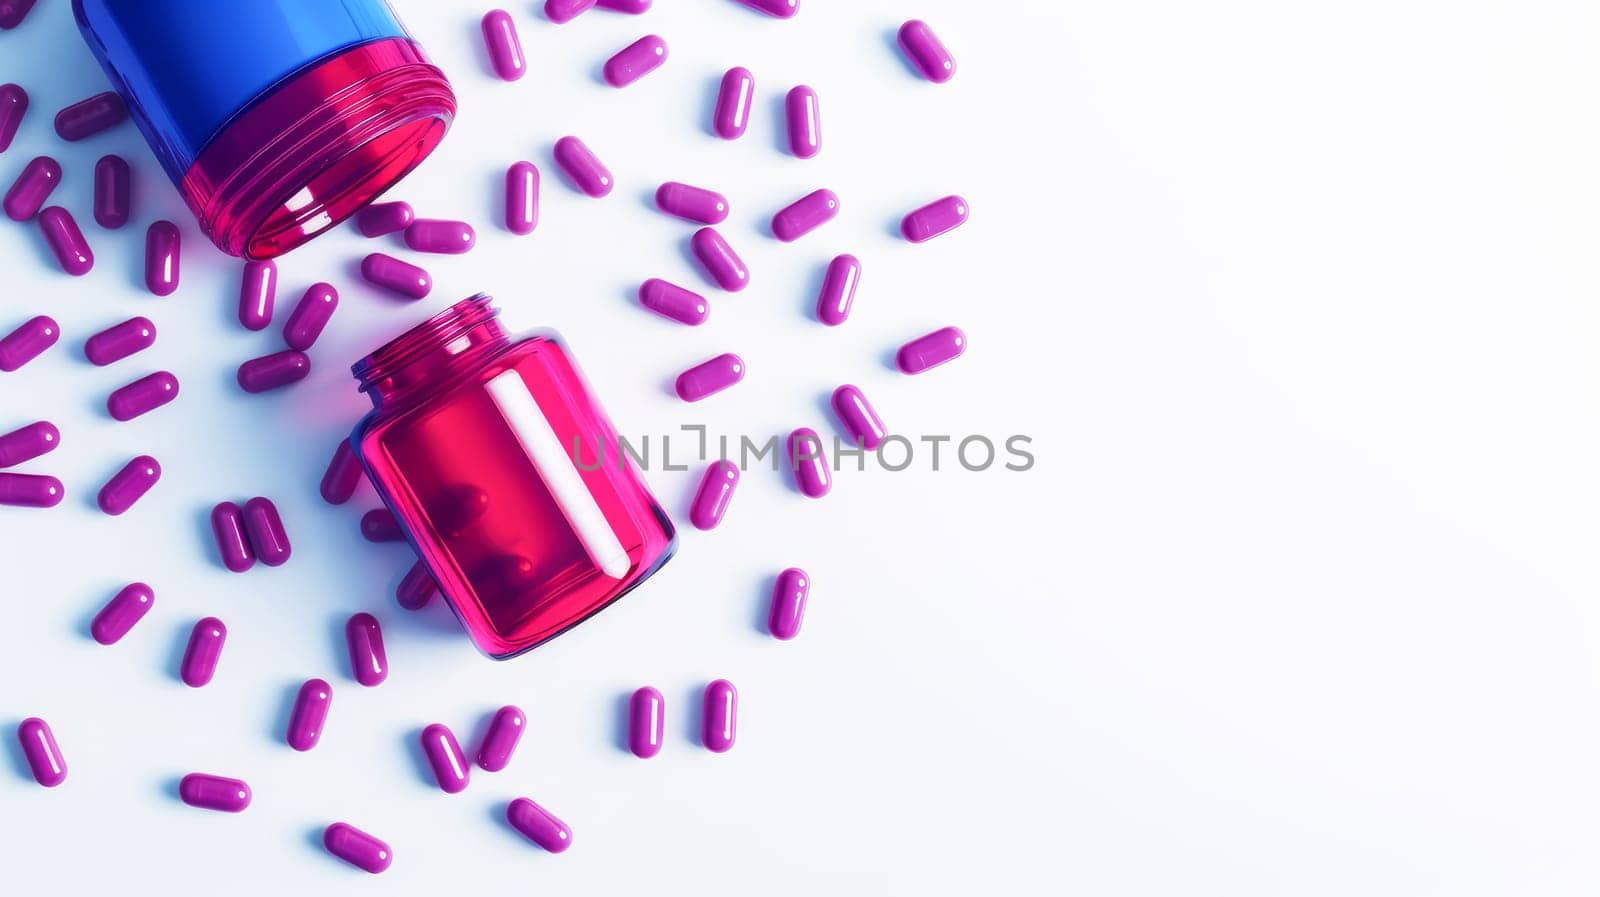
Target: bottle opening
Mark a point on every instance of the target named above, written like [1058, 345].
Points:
[426, 348]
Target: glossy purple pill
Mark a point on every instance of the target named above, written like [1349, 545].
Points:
[505, 730]
[631, 7]
[838, 290]
[926, 352]
[343, 475]
[122, 613]
[265, 529]
[720, 261]
[692, 203]
[113, 192]
[310, 714]
[522, 198]
[66, 241]
[926, 52]
[27, 342]
[311, 314]
[163, 246]
[119, 341]
[441, 237]
[732, 114]
[357, 848]
[805, 215]
[783, 9]
[445, 758]
[583, 168]
[23, 490]
[647, 713]
[129, 484]
[369, 663]
[383, 218]
[505, 47]
[233, 544]
[396, 276]
[720, 719]
[788, 604]
[142, 396]
[87, 118]
[273, 371]
[710, 377]
[43, 754]
[564, 11]
[201, 656]
[672, 301]
[715, 493]
[636, 60]
[938, 217]
[209, 792]
[859, 417]
[538, 825]
[805, 122]
[808, 458]
[13, 106]
[416, 588]
[26, 443]
[12, 12]
[39, 178]
[378, 525]
[258, 293]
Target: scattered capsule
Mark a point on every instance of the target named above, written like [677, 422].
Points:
[39, 178]
[233, 544]
[732, 114]
[838, 290]
[809, 460]
[720, 724]
[313, 312]
[369, 663]
[87, 118]
[24, 490]
[445, 758]
[631, 7]
[564, 11]
[13, 106]
[522, 198]
[710, 377]
[257, 294]
[505, 47]
[782, 9]
[163, 246]
[43, 754]
[129, 484]
[390, 273]
[458, 508]
[378, 525]
[26, 443]
[715, 493]
[214, 792]
[672, 301]
[416, 588]
[201, 656]
[357, 848]
[383, 218]
[692, 203]
[788, 604]
[859, 417]
[309, 715]
[343, 476]
[647, 712]
[273, 371]
[930, 351]
[113, 192]
[938, 217]
[805, 122]
[66, 241]
[441, 237]
[27, 342]
[583, 168]
[636, 60]
[505, 730]
[538, 825]
[719, 260]
[119, 341]
[805, 215]
[265, 529]
[142, 396]
[122, 613]
[926, 52]
[12, 12]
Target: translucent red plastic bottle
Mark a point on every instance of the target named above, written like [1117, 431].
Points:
[506, 476]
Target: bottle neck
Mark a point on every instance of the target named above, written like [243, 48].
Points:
[432, 351]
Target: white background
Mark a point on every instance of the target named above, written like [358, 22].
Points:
[1296, 300]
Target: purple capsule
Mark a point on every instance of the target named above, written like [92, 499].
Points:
[369, 663]
[384, 218]
[310, 316]
[258, 292]
[937, 217]
[39, 178]
[925, 51]
[12, 12]
[233, 544]
[441, 237]
[672, 301]
[122, 613]
[13, 106]
[838, 290]
[265, 529]
[583, 168]
[860, 420]
[636, 60]
[720, 722]
[805, 215]
[564, 11]
[23, 490]
[129, 484]
[732, 114]
[505, 47]
[930, 351]
[538, 825]
[357, 848]
[692, 203]
[214, 792]
[631, 7]
[445, 758]
[782, 9]
[310, 714]
[715, 492]
[26, 443]
[66, 241]
[416, 588]
[378, 525]
[87, 118]
[788, 604]
[647, 712]
[710, 377]
[27, 342]
[396, 276]
[505, 730]
[201, 656]
[163, 246]
[113, 192]
[273, 371]
[809, 460]
[142, 396]
[119, 341]
[719, 260]
[43, 754]
[805, 122]
[522, 198]
[343, 476]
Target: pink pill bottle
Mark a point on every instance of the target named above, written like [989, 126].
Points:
[506, 476]
[276, 119]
